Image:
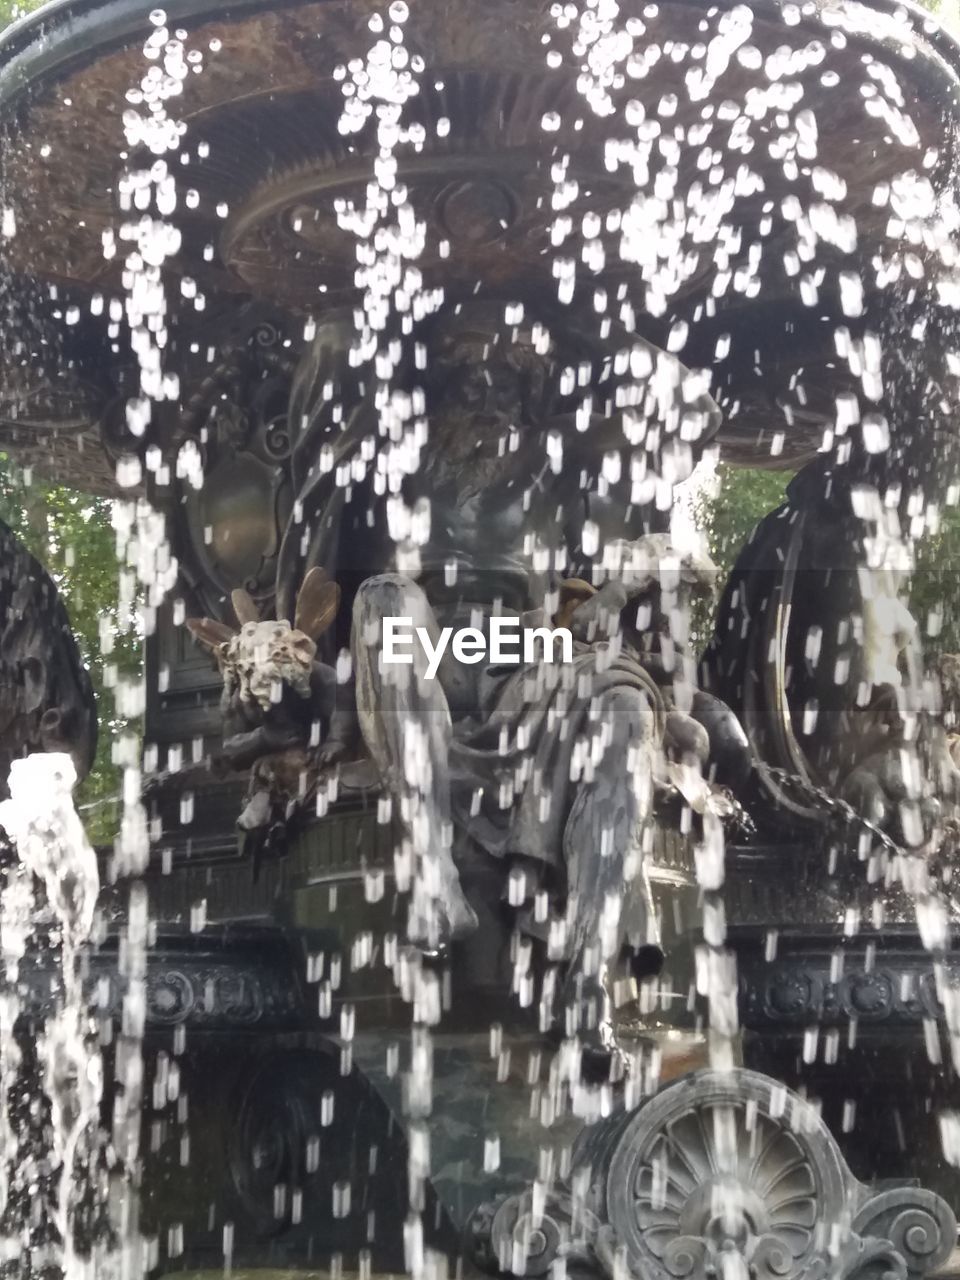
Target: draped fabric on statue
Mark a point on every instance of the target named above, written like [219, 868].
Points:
[533, 740]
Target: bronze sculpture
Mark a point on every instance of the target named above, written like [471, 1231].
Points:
[651, 186]
[508, 529]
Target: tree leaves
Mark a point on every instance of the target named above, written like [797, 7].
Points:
[72, 536]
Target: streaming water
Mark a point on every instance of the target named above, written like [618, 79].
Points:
[47, 909]
[672, 230]
[693, 167]
[148, 197]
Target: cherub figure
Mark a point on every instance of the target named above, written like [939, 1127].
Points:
[283, 709]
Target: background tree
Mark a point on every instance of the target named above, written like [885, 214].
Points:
[743, 496]
[72, 535]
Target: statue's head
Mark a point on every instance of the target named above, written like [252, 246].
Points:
[485, 371]
[265, 656]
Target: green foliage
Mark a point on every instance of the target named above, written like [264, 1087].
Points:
[743, 496]
[935, 588]
[10, 10]
[71, 534]
[727, 514]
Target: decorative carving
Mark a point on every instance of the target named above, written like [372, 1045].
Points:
[897, 989]
[280, 1111]
[247, 984]
[477, 210]
[870, 1260]
[284, 715]
[918, 1224]
[495, 399]
[478, 178]
[722, 1170]
[230, 529]
[526, 1242]
[511, 532]
[170, 997]
[721, 1162]
[490, 204]
[726, 1171]
[227, 995]
[524, 1235]
[308, 1142]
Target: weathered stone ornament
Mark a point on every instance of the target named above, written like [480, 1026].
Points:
[719, 1174]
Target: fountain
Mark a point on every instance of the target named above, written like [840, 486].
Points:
[620, 960]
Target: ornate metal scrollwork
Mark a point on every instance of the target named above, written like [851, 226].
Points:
[918, 1224]
[725, 1173]
[224, 995]
[722, 1163]
[252, 984]
[269, 1145]
[314, 1154]
[895, 991]
[871, 1260]
[524, 1241]
[524, 1234]
[230, 531]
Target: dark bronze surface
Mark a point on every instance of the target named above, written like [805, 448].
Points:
[267, 104]
[301, 982]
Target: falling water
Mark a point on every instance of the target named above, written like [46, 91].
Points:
[148, 570]
[611, 49]
[656, 229]
[693, 190]
[47, 904]
[389, 242]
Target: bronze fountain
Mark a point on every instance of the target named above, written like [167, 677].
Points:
[425, 311]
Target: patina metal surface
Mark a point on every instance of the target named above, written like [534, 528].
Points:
[302, 1067]
[482, 182]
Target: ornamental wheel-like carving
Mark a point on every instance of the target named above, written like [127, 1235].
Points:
[719, 1163]
[729, 1173]
[724, 1175]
